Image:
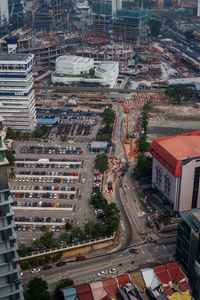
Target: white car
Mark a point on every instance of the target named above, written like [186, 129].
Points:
[33, 271]
[102, 273]
[112, 271]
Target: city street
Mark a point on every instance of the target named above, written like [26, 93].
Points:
[85, 271]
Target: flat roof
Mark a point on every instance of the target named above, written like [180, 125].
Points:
[189, 218]
[98, 144]
[107, 65]
[189, 80]
[170, 151]
[15, 57]
[74, 59]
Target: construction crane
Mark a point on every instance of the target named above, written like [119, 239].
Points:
[127, 141]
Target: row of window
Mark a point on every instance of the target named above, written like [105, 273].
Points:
[167, 180]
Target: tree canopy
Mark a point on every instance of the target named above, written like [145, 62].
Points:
[179, 92]
[155, 27]
[143, 167]
[38, 289]
[101, 162]
[40, 131]
[66, 282]
[12, 134]
[108, 115]
[144, 145]
[10, 157]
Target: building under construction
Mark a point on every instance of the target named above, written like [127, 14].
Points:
[125, 24]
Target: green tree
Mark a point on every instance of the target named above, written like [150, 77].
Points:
[64, 237]
[10, 157]
[10, 133]
[63, 138]
[99, 201]
[38, 289]
[47, 240]
[144, 145]
[101, 162]
[189, 36]
[143, 167]
[66, 282]
[179, 92]
[155, 27]
[76, 234]
[91, 71]
[108, 115]
[40, 131]
[23, 250]
[68, 226]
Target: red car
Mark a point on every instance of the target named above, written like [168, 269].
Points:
[97, 180]
[81, 152]
[52, 204]
[17, 195]
[96, 174]
[78, 258]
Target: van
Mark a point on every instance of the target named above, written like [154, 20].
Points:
[40, 203]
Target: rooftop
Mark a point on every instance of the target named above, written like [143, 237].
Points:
[171, 150]
[107, 65]
[15, 57]
[73, 59]
[189, 218]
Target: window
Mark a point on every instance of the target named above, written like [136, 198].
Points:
[195, 187]
[158, 175]
[167, 184]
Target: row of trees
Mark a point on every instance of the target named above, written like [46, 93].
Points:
[101, 162]
[179, 92]
[143, 167]
[104, 134]
[111, 214]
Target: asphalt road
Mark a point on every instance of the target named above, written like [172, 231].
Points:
[85, 271]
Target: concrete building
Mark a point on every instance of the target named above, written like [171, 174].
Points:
[188, 248]
[76, 69]
[109, 71]
[10, 278]
[17, 98]
[109, 16]
[176, 171]
[69, 64]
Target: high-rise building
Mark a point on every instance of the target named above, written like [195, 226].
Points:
[11, 12]
[188, 248]
[110, 16]
[17, 98]
[10, 278]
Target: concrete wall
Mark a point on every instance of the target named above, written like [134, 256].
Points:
[173, 181]
[187, 183]
[67, 80]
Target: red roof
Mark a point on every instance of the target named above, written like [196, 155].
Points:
[174, 272]
[111, 287]
[84, 292]
[169, 151]
[162, 274]
[167, 290]
[184, 286]
[122, 280]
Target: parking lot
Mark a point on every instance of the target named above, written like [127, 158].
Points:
[51, 187]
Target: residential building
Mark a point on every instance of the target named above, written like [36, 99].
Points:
[17, 98]
[176, 171]
[188, 248]
[10, 287]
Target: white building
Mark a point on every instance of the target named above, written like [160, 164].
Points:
[176, 171]
[17, 98]
[69, 64]
[106, 72]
